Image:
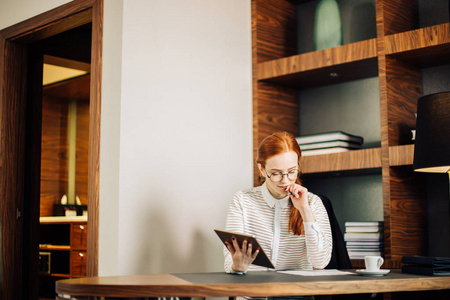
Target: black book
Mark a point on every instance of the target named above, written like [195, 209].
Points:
[426, 260]
[426, 265]
[431, 270]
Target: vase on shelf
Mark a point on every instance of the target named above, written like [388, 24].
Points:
[327, 25]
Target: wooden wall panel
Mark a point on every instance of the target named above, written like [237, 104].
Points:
[408, 228]
[277, 108]
[400, 87]
[381, 53]
[54, 156]
[399, 16]
[404, 88]
[273, 36]
[82, 168]
[77, 88]
[275, 29]
[54, 161]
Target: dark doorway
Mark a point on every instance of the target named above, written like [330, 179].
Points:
[64, 157]
[22, 47]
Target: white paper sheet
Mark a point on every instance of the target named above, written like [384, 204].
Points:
[328, 272]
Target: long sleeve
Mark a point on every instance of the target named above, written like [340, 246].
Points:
[235, 223]
[319, 241]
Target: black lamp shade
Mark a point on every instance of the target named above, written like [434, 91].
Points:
[432, 145]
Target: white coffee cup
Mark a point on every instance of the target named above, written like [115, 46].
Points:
[373, 263]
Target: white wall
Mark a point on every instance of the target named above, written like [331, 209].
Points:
[12, 12]
[110, 138]
[176, 131]
[185, 133]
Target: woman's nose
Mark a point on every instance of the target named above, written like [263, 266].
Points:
[284, 178]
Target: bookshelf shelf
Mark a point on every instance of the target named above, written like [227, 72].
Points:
[54, 248]
[344, 63]
[401, 155]
[423, 47]
[60, 275]
[344, 161]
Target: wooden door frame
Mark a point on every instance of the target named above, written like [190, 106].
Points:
[12, 87]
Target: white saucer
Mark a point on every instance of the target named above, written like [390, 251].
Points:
[380, 272]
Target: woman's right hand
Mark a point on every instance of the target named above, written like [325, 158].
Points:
[242, 257]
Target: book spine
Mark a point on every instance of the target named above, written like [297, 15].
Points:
[420, 260]
[329, 136]
[353, 236]
[413, 269]
[331, 144]
[363, 229]
[361, 224]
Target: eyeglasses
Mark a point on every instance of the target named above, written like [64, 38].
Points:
[276, 177]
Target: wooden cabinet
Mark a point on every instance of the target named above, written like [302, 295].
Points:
[62, 247]
[78, 242]
[78, 236]
[397, 55]
[78, 263]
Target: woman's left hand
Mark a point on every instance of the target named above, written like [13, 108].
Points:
[298, 194]
[299, 198]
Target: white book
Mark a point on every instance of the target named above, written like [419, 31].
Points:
[374, 236]
[364, 223]
[364, 253]
[329, 136]
[365, 243]
[324, 151]
[363, 229]
[373, 247]
[364, 250]
[360, 257]
[332, 144]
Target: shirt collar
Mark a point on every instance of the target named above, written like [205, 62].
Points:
[270, 200]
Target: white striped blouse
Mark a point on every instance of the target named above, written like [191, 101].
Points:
[256, 212]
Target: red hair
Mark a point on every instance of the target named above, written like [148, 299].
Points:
[275, 144]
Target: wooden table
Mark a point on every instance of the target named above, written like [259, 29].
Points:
[268, 283]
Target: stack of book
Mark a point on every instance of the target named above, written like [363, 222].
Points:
[364, 238]
[328, 142]
[426, 265]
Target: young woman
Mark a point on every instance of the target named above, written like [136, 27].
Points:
[290, 223]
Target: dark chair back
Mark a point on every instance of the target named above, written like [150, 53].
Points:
[339, 256]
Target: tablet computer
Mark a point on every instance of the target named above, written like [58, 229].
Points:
[260, 260]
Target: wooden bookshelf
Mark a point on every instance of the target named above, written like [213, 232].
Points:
[396, 56]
